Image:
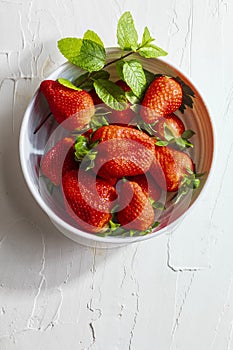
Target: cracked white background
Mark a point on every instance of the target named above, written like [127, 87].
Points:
[174, 292]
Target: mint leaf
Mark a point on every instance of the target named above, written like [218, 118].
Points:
[111, 94]
[126, 33]
[151, 51]
[70, 48]
[134, 77]
[68, 84]
[91, 56]
[131, 97]
[146, 37]
[119, 68]
[90, 35]
[85, 81]
[149, 77]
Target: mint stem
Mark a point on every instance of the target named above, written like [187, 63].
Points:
[118, 59]
[91, 75]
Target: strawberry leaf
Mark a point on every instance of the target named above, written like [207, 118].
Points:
[85, 152]
[191, 181]
[150, 229]
[161, 143]
[126, 33]
[111, 94]
[188, 95]
[68, 84]
[157, 205]
[134, 77]
[97, 121]
[187, 134]
[182, 143]
[168, 134]
[82, 147]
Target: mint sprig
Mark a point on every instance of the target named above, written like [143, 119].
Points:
[134, 77]
[127, 35]
[92, 56]
[89, 54]
[111, 94]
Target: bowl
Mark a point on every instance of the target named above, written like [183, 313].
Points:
[32, 147]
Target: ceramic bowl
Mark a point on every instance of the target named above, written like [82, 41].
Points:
[32, 147]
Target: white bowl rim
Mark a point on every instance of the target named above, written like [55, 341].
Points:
[94, 237]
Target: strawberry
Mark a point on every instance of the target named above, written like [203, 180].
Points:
[148, 185]
[58, 160]
[170, 167]
[72, 108]
[88, 200]
[173, 123]
[136, 211]
[125, 116]
[122, 151]
[163, 97]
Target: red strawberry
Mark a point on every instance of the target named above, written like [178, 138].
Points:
[173, 123]
[137, 212]
[58, 160]
[163, 97]
[88, 200]
[148, 185]
[72, 108]
[122, 151]
[170, 166]
[125, 116]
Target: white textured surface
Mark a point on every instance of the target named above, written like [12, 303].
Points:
[170, 293]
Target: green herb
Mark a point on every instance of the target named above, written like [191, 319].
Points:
[92, 56]
[134, 77]
[90, 35]
[89, 54]
[127, 36]
[111, 94]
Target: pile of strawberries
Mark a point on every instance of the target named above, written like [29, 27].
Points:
[112, 177]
